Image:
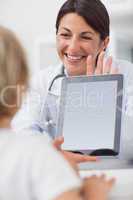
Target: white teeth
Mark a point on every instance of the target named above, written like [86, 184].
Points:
[74, 57]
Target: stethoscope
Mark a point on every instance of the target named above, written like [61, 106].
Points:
[60, 75]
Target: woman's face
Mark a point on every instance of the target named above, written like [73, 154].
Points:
[75, 41]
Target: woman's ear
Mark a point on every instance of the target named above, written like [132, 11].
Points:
[105, 43]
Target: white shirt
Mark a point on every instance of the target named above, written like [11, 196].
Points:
[30, 168]
[36, 115]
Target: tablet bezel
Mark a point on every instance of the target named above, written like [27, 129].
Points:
[118, 119]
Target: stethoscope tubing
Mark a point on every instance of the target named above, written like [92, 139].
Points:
[62, 74]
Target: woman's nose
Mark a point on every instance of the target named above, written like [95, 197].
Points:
[74, 44]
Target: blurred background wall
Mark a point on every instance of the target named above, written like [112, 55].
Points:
[121, 14]
[34, 22]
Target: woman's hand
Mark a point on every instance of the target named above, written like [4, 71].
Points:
[103, 67]
[97, 188]
[74, 157]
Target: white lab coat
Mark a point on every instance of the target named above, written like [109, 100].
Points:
[40, 112]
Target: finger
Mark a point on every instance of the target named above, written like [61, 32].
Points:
[87, 179]
[107, 65]
[58, 142]
[114, 70]
[103, 176]
[93, 176]
[89, 68]
[99, 68]
[111, 182]
[78, 158]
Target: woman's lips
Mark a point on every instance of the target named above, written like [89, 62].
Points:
[74, 58]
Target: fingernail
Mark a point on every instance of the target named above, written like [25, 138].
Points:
[89, 56]
[60, 138]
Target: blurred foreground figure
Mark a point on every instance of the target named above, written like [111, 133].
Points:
[30, 167]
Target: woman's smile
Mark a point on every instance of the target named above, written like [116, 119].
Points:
[74, 58]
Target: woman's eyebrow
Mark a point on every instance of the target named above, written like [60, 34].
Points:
[87, 32]
[66, 29]
[82, 33]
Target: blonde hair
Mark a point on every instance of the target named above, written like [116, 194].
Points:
[13, 70]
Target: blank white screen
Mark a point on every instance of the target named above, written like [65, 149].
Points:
[89, 115]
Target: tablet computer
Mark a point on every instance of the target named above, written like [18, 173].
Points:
[90, 114]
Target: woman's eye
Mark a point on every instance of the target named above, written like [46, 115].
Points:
[64, 35]
[86, 38]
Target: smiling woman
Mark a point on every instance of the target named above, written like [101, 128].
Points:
[82, 29]
[76, 40]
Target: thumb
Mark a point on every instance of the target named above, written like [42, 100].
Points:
[58, 142]
[90, 68]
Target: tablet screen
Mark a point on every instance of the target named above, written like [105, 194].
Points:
[89, 115]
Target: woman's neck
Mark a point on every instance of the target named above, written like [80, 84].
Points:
[5, 122]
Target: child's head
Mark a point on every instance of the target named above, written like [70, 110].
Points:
[13, 72]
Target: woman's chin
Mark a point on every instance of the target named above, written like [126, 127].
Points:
[76, 71]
